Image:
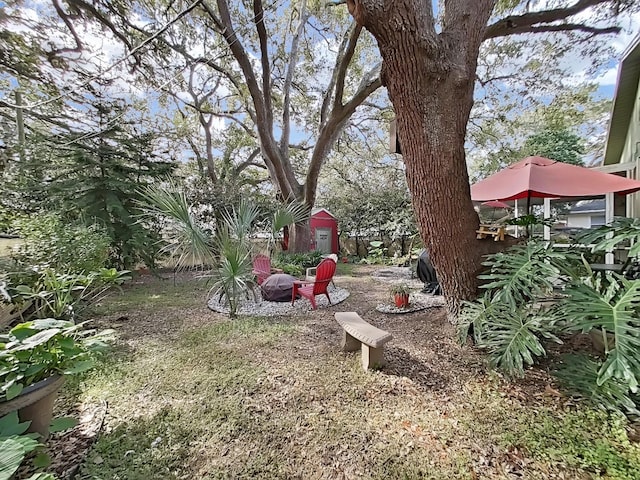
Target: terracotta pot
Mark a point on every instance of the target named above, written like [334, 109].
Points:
[35, 404]
[401, 300]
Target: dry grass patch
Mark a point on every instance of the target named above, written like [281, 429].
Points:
[193, 395]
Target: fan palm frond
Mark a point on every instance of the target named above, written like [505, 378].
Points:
[294, 212]
[239, 221]
[189, 243]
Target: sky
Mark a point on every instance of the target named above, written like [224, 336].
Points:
[104, 52]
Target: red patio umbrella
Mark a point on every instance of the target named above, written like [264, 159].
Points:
[496, 204]
[544, 178]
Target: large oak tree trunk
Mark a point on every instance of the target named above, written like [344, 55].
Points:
[301, 237]
[430, 79]
[437, 176]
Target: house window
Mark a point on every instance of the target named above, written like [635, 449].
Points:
[597, 220]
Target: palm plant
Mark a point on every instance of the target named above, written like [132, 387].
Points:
[189, 244]
[292, 213]
[232, 277]
[229, 251]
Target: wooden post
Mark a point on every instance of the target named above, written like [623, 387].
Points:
[608, 218]
[547, 214]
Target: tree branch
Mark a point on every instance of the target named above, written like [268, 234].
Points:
[258, 19]
[528, 22]
[84, 6]
[347, 56]
[326, 101]
[65, 18]
[293, 60]
[248, 163]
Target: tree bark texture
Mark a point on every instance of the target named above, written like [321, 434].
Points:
[301, 237]
[430, 79]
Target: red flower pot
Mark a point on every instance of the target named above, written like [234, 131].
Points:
[401, 300]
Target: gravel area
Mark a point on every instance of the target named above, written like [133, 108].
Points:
[417, 301]
[271, 309]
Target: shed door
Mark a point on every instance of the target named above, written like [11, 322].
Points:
[323, 240]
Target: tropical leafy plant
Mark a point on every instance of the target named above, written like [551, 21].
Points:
[523, 273]
[50, 294]
[513, 340]
[615, 310]
[512, 322]
[580, 375]
[296, 263]
[621, 231]
[529, 220]
[16, 444]
[33, 351]
[512, 337]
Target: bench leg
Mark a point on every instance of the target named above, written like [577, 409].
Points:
[372, 358]
[349, 343]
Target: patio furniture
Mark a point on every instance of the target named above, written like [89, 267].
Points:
[262, 268]
[495, 231]
[359, 334]
[277, 287]
[324, 274]
[310, 275]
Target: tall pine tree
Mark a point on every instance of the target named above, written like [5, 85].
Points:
[98, 177]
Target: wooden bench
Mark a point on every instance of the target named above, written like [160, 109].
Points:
[495, 231]
[360, 334]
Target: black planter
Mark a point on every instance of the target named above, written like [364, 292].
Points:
[35, 404]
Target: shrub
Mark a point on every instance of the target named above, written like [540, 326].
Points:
[289, 261]
[47, 293]
[33, 351]
[512, 322]
[65, 248]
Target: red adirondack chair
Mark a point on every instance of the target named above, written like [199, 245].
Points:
[324, 274]
[262, 268]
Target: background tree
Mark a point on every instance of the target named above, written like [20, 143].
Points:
[369, 196]
[99, 176]
[560, 145]
[576, 118]
[429, 69]
[292, 70]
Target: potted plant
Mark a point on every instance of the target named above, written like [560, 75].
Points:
[400, 292]
[34, 357]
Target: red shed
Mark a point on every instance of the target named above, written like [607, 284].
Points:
[324, 231]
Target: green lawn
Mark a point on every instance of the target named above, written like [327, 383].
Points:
[192, 395]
